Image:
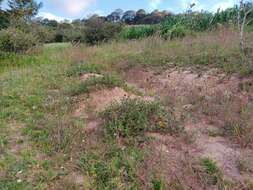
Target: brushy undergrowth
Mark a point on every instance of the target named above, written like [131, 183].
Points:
[134, 117]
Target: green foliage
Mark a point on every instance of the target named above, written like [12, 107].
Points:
[97, 30]
[23, 9]
[43, 34]
[211, 174]
[175, 32]
[210, 166]
[134, 117]
[14, 40]
[136, 32]
[158, 184]
[197, 21]
[192, 21]
[86, 86]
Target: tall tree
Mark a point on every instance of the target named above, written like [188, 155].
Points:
[3, 17]
[1, 1]
[115, 16]
[23, 8]
[128, 17]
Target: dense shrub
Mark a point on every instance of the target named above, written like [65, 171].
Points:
[136, 32]
[176, 32]
[134, 117]
[98, 30]
[14, 40]
[43, 34]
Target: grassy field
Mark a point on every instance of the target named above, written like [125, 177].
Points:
[55, 135]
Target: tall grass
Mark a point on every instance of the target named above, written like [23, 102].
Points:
[218, 48]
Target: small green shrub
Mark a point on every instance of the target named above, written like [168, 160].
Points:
[211, 174]
[15, 40]
[137, 32]
[134, 117]
[158, 184]
[82, 68]
[210, 166]
[108, 81]
[176, 32]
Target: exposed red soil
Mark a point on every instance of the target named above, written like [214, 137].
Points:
[190, 93]
[184, 89]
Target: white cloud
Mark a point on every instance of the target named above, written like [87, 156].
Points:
[212, 6]
[74, 7]
[223, 5]
[153, 4]
[51, 16]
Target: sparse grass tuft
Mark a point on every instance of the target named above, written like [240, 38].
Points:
[210, 166]
[107, 81]
[158, 184]
[82, 68]
[210, 173]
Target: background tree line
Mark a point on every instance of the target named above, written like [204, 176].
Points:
[21, 29]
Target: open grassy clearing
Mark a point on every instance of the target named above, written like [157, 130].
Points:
[182, 117]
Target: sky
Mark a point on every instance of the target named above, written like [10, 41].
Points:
[73, 9]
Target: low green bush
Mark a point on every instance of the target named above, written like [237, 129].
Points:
[137, 32]
[15, 40]
[134, 117]
[176, 32]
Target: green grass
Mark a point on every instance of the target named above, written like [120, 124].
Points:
[113, 168]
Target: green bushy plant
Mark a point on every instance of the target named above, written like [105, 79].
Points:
[176, 32]
[15, 40]
[134, 117]
[136, 32]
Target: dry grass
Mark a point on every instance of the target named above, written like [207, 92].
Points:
[215, 49]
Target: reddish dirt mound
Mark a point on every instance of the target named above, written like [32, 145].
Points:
[203, 102]
[178, 80]
[89, 75]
